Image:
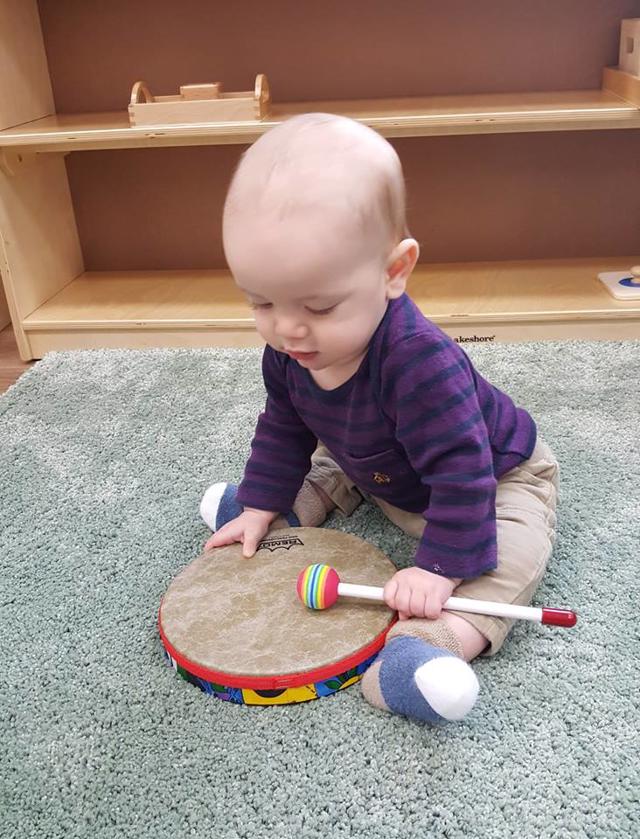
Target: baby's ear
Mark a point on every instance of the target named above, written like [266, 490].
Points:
[400, 264]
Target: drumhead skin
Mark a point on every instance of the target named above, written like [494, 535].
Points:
[236, 628]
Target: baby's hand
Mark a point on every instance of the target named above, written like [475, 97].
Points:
[418, 593]
[249, 528]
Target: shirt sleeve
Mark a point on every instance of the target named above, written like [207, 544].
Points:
[431, 389]
[281, 448]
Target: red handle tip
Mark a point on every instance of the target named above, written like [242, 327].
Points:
[559, 617]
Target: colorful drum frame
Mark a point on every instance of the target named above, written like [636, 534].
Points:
[245, 695]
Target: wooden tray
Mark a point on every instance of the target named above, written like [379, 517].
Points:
[199, 103]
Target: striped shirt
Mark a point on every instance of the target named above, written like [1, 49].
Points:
[416, 425]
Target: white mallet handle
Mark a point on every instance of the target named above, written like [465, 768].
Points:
[552, 617]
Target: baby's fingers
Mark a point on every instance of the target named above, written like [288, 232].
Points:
[227, 535]
[397, 595]
[251, 539]
[403, 599]
[418, 602]
[389, 593]
[432, 606]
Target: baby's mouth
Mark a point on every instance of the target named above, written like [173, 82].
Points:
[300, 356]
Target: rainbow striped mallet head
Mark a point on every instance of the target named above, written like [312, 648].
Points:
[318, 586]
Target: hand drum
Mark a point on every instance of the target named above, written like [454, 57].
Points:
[236, 628]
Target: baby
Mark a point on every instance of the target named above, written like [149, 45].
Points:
[366, 398]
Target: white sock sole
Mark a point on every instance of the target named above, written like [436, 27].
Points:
[449, 685]
[210, 503]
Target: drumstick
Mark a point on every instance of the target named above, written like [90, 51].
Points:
[319, 587]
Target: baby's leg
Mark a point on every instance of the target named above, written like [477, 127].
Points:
[472, 641]
[526, 500]
[330, 482]
[421, 673]
[525, 515]
[325, 488]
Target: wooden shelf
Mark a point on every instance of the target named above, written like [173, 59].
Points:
[412, 117]
[512, 301]
[145, 299]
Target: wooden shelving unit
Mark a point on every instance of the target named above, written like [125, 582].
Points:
[55, 304]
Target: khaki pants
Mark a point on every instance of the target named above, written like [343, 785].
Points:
[526, 500]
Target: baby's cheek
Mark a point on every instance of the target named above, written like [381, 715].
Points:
[340, 337]
[263, 323]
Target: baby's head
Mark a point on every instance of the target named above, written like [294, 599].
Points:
[314, 232]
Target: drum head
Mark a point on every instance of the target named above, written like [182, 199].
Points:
[236, 628]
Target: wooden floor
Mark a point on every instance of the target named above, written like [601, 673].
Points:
[11, 365]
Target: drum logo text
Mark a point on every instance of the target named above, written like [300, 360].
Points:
[285, 542]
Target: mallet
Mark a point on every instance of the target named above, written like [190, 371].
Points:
[319, 587]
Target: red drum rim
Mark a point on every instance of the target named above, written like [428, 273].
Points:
[290, 680]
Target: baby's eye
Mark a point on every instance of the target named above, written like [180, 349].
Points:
[321, 311]
[259, 305]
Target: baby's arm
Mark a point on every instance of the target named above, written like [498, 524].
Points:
[430, 393]
[280, 459]
[281, 448]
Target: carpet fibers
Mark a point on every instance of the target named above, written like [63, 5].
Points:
[103, 458]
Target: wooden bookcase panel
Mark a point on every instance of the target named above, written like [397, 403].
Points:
[363, 49]
[470, 199]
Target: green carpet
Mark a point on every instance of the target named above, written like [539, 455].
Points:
[104, 456]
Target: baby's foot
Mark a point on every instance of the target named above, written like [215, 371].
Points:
[219, 505]
[416, 679]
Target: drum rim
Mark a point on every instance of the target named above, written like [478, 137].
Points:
[289, 680]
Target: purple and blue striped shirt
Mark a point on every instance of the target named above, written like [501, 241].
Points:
[416, 425]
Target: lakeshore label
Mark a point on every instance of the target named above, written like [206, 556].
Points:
[474, 339]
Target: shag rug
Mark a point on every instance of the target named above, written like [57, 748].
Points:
[104, 457]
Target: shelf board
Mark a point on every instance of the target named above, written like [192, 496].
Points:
[454, 295]
[145, 300]
[526, 290]
[410, 117]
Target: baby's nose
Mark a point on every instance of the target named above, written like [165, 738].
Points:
[291, 328]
